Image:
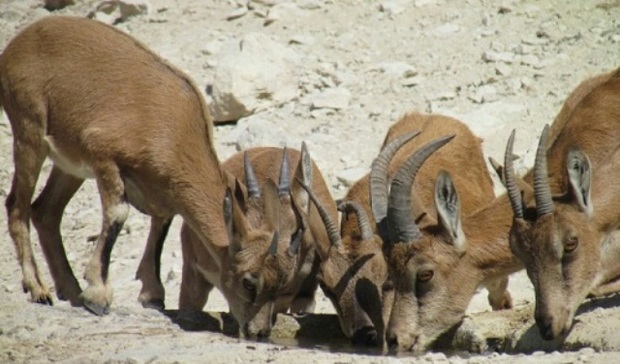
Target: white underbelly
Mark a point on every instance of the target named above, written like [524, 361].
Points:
[75, 168]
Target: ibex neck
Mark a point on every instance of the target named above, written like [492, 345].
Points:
[488, 249]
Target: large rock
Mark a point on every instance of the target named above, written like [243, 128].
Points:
[253, 74]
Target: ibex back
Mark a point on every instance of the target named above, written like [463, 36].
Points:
[101, 105]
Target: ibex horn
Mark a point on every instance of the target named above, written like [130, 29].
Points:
[401, 225]
[509, 178]
[379, 180]
[250, 177]
[362, 218]
[284, 184]
[542, 191]
[330, 226]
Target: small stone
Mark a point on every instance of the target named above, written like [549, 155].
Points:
[421, 3]
[304, 39]
[332, 98]
[491, 56]
[527, 83]
[412, 81]
[393, 7]
[503, 69]
[446, 95]
[211, 48]
[349, 176]
[530, 60]
[524, 49]
[398, 69]
[237, 13]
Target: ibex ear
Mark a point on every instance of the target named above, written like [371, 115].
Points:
[580, 176]
[449, 209]
[499, 169]
[236, 224]
[303, 173]
[240, 193]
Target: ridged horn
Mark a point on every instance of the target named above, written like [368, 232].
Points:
[379, 179]
[250, 177]
[330, 226]
[509, 178]
[542, 191]
[284, 183]
[362, 218]
[401, 225]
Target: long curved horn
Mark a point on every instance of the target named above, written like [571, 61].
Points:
[401, 225]
[362, 218]
[250, 177]
[284, 183]
[379, 179]
[509, 178]
[542, 191]
[330, 226]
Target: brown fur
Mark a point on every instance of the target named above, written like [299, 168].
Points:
[562, 279]
[101, 105]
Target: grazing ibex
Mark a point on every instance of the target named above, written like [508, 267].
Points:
[564, 236]
[299, 219]
[253, 290]
[354, 273]
[101, 105]
[487, 259]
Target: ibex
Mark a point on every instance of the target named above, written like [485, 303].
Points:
[563, 237]
[354, 275]
[486, 260]
[101, 105]
[300, 232]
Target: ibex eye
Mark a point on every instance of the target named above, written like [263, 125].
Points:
[425, 275]
[248, 284]
[388, 286]
[571, 244]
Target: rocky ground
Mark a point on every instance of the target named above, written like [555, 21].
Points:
[336, 74]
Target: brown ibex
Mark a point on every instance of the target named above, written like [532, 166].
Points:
[300, 228]
[354, 275]
[564, 236]
[101, 105]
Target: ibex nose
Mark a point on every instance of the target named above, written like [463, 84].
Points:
[545, 326]
[366, 336]
[254, 334]
[392, 341]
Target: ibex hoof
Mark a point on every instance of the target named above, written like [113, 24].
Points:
[43, 299]
[97, 299]
[155, 304]
[38, 295]
[97, 309]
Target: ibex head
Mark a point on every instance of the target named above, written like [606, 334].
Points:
[555, 240]
[263, 253]
[416, 267]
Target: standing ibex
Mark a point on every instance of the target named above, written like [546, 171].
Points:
[354, 275]
[301, 231]
[101, 105]
[565, 240]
